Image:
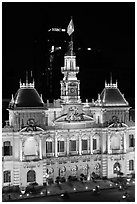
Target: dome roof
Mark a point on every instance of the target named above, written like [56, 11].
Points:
[27, 96]
[111, 96]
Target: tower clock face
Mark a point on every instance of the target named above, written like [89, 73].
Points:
[72, 90]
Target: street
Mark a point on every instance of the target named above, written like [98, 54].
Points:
[110, 195]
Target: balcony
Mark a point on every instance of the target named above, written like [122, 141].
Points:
[117, 151]
[50, 154]
[85, 152]
[31, 158]
[74, 153]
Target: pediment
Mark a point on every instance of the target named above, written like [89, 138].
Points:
[117, 125]
[30, 129]
[74, 118]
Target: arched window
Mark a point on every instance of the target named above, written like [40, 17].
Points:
[49, 145]
[96, 142]
[7, 176]
[72, 145]
[60, 146]
[31, 176]
[116, 168]
[7, 148]
[84, 144]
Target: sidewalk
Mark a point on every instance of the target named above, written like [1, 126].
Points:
[54, 189]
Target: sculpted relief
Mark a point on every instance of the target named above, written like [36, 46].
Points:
[74, 115]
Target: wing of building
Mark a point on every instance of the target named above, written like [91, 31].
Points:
[43, 141]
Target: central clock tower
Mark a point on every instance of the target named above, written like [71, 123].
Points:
[70, 85]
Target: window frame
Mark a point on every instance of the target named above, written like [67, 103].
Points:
[131, 165]
[59, 146]
[7, 176]
[131, 140]
[94, 144]
[7, 149]
[86, 144]
[70, 145]
[47, 149]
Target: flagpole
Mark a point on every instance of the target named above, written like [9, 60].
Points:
[71, 44]
[72, 39]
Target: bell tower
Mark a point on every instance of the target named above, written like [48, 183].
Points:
[70, 85]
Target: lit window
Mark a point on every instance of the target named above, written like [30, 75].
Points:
[7, 176]
[60, 146]
[131, 165]
[131, 141]
[84, 144]
[48, 147]
[72, 145]
[7, 149]
[94, 144]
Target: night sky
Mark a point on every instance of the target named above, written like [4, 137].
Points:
[108, 28]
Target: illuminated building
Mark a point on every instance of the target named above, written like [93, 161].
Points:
[67, 137]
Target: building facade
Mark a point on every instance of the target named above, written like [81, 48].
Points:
[68, 137]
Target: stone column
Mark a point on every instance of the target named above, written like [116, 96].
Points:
[56, 146]
[91, 144]
[68, 145]
[108, 143]
[40, 149]
[20, 149]
[80, 148]
[124, 137]
[45, 148]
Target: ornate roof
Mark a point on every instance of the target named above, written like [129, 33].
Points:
[111, 96]
[27, 96]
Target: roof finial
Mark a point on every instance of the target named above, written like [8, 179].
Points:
[31, 75]
[12, 99]
[116, 83]
[111, 78]
[20, 82]
[26, 77]
[41, 98]
[105, 83]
